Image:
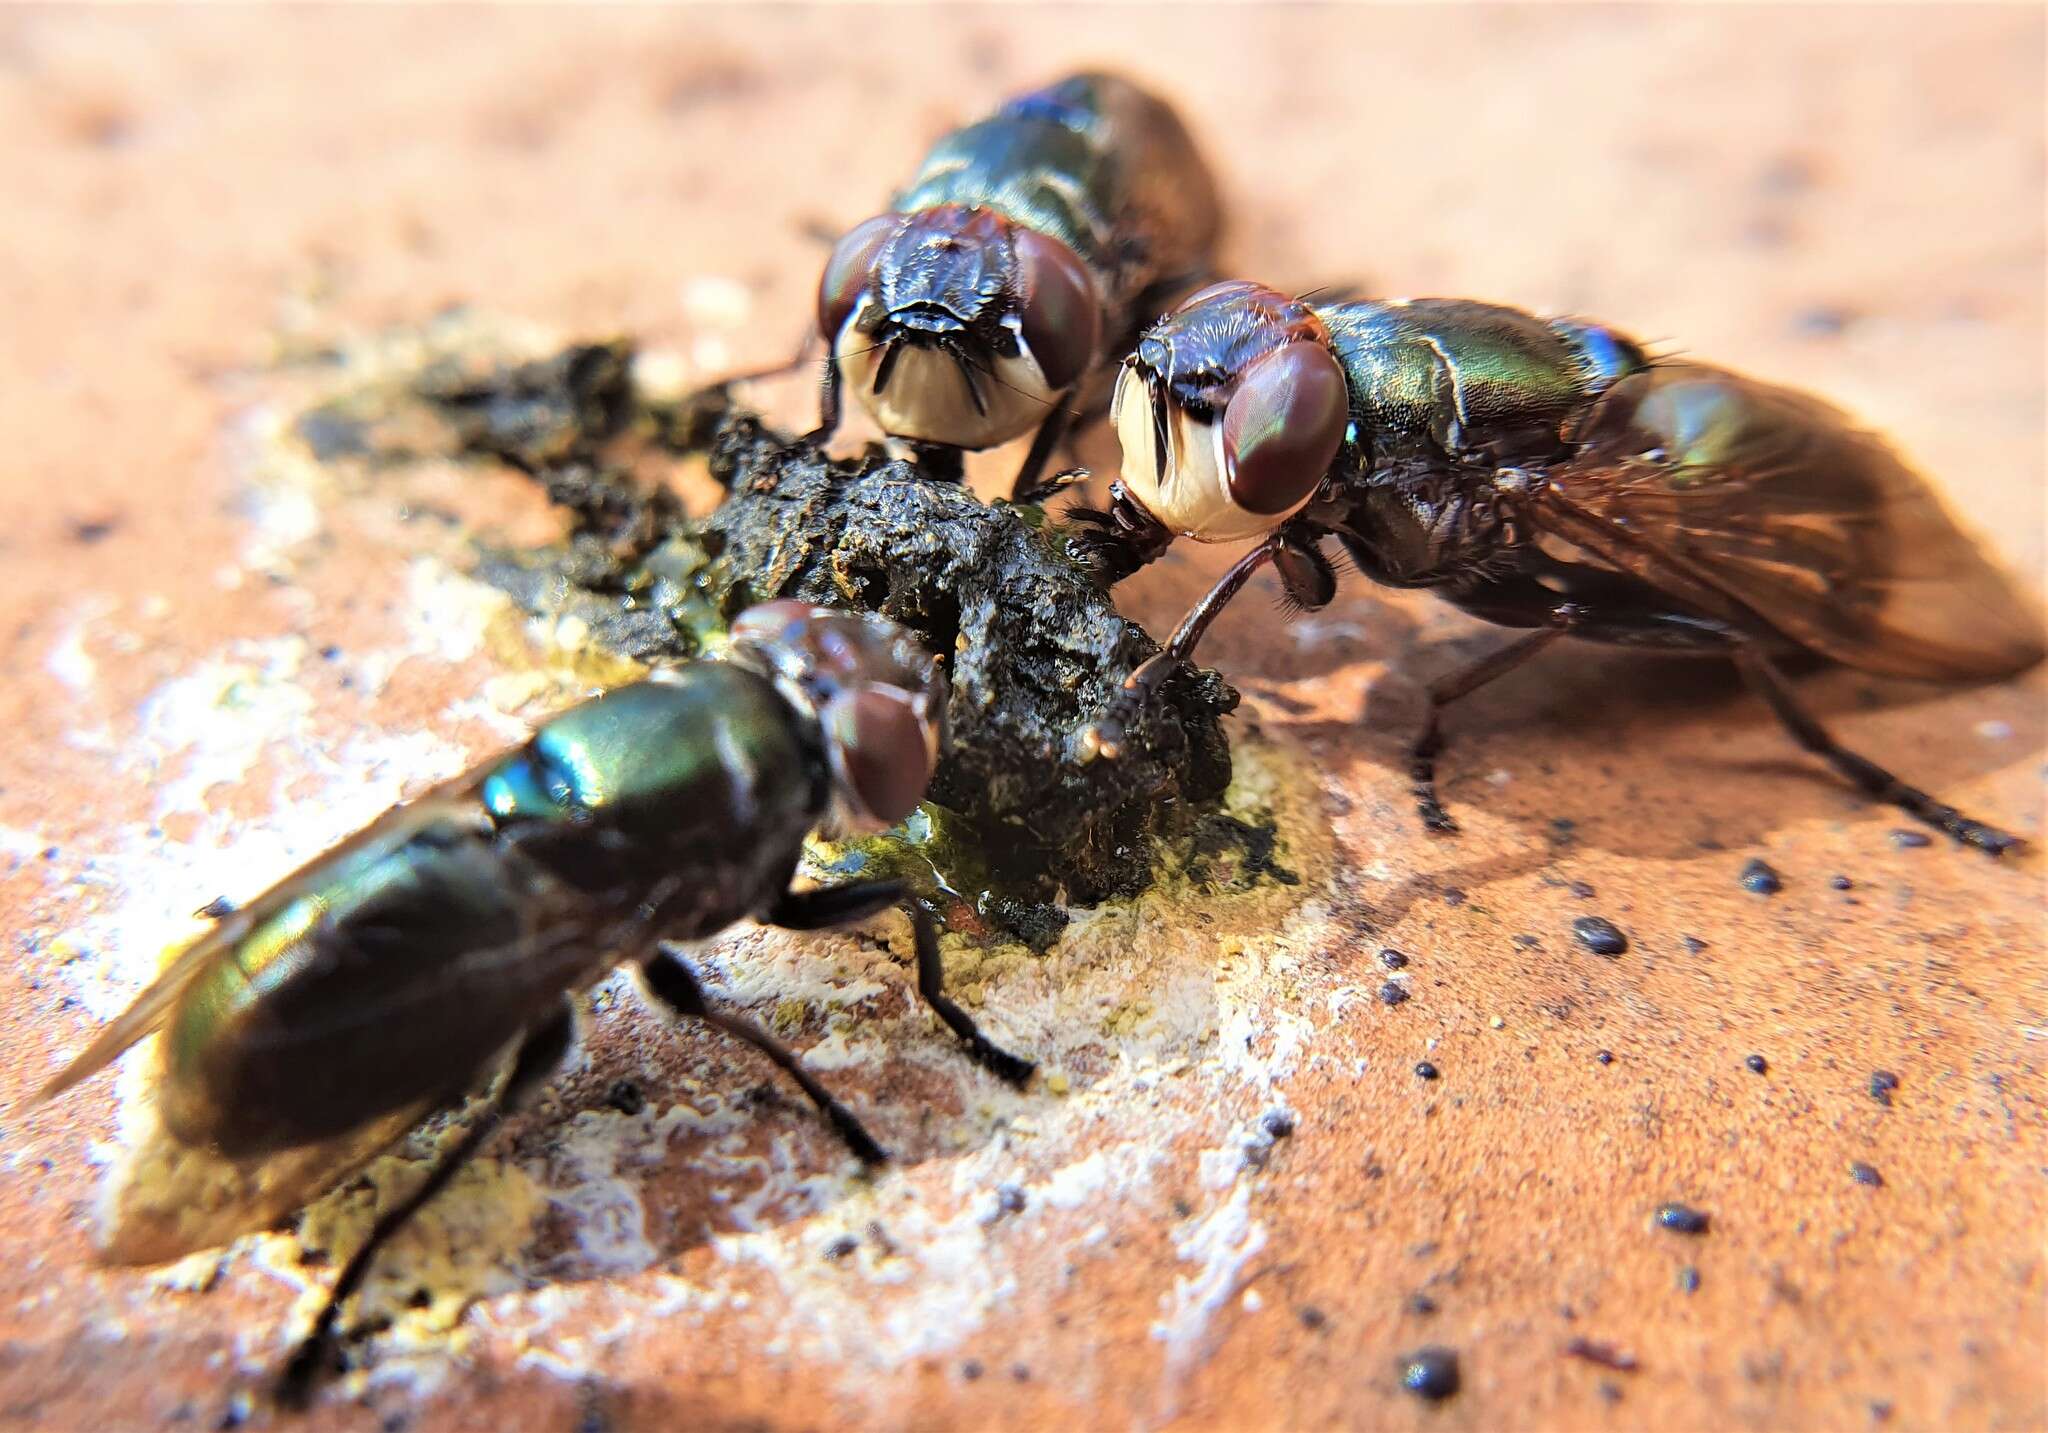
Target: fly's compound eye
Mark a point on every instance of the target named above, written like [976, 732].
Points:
[882, 752]
[849, 271]
[1283, 426]
[1062, 318]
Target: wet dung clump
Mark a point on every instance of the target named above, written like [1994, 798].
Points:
[1034, 647]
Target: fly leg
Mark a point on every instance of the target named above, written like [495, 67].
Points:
[1025, 488]
[1442, 692]
[1310, 582]
[675, 985]
[838, 905]
[539, 1053]
[939, 462]
[931, 983]
[1866, 775]
[830, 407]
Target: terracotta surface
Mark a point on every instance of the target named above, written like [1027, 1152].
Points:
[221, 661]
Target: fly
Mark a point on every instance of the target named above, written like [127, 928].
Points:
[389, 978]
[1027, 248]
[1546, 475]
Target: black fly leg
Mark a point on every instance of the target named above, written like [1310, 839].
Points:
[1442, 692]
[833, 905]
[939, 462]
[1025, 489]
[539, 1053]
[1866, 775]
[829, 405]
[931, 982]
[675, 985]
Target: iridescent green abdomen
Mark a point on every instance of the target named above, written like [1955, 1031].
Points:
[392, 970]
[1465, 378]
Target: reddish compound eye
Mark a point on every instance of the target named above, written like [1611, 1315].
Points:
[881, 751]
[1062, 317]
[1283, 426]
[849, 271]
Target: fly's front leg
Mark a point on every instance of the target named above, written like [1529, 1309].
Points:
[539, 1054]
[1025, 489]
[830, 405]
[1867, 776]
[675, 985]
[1306, 575]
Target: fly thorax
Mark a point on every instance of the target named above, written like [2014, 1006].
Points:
[1174, 468]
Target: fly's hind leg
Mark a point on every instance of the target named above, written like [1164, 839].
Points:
[1442, 692]
[837, 905]
[539, 1053]
[1866, 775]
[675, 985]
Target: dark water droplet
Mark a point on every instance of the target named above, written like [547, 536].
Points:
[1582, 889]
[1278, 1125]
[1527, 942]
[1689, 1279]
[1430, 1373]
[1312, 1317]
[625, 1097]
[971, 1369]
[1425, 1070]
[1421, 1305]
[1605, 1057]
[1682, 1219]
[842, 1246]
[1758, 1065]
[1393, 993]
[1692, 943]
[1760, 878]
[1393, 959]
[1600, 935]
[1911, 840]
[1841, 883]
[1453, 896]
[1882, 1083]
[1866, 1174]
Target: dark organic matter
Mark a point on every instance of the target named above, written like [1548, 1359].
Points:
[1027, 812]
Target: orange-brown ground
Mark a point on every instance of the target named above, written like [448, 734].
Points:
[1849, 200]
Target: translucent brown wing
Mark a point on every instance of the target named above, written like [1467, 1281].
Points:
[1759, 503]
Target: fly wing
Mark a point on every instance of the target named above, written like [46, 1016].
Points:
[149, 1009]
[1760, 503]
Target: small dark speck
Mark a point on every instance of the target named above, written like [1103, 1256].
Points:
[1600, 935]
[1822, 320]
[1421, 1305]
[1453, 896]
[395, 1423]
[1605, 1057]
[330, 653]
[1689, 1279]
[1882, 1083]
[1020, 1373]
[1312, 1317]
[1564, 830]
[1278, 1124]
[1682, 1219]
[842, 1246]
[1880, 1411]
[625, 1097]
[1604, 1354]
[51, 853]
[1393, 959]
[214, 909]
[1392, 993]
[1582, 889]
[1527, 942]
[971, 1369]
[1424, 1070]
[1761, 879]
[1009, 1199]
[88, 531]
[1758, 1065]
[1430, 1373]
[1911, 840]
[1842, 883]
[1692, 943]
[1866, 1174]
